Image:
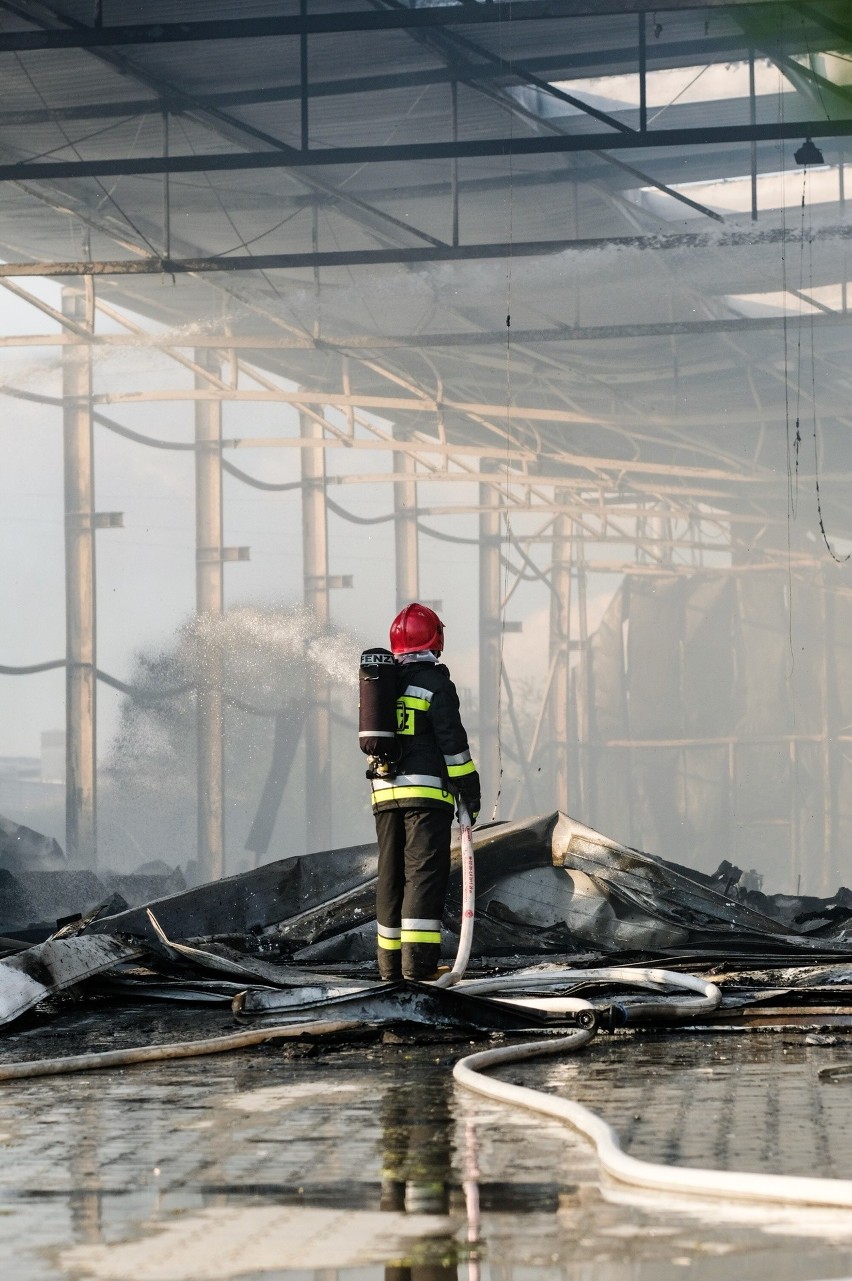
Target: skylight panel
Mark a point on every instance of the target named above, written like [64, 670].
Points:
[780, 303]
[733, 195]
[664, 88]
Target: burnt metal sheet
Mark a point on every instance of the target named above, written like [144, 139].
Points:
[696, 903]
[404, 1002]
[17, 908]
[226, 961]
[28, 977]
[548, 886]
[23, 849]
[292, 1000]
[33, 902]
[251, 901]
[290, 899]
[154, 987]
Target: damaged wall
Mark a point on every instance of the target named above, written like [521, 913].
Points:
[717, 719]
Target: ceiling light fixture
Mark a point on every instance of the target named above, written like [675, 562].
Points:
[808, 154]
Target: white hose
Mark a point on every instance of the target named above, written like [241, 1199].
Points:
[708, 995]
[549, 1004]
[468, 897]
[676, 1180]
[175, 1050]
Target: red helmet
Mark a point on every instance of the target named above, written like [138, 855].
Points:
[416, 627]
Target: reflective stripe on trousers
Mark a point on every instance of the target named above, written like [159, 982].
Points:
[419, 929]
[389, 937]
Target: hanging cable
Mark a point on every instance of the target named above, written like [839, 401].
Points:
[357, 520]
[32, 668]
[840, 560]
[142, 695]
[507, 520]
[792, 497]
[132, 691]
[153, 442]
[793, 467]
[271, 486]
[72, 146]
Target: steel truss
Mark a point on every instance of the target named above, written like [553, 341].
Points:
[582, 511]
[465, 13]
[674, 516]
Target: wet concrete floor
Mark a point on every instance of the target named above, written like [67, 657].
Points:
[365, 1161]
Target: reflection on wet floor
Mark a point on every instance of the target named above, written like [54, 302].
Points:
[365, 1162]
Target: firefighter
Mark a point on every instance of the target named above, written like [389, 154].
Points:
[414, 806]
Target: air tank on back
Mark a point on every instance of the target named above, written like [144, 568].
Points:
[377, 695]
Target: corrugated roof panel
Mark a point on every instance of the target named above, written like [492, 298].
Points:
[500, 200]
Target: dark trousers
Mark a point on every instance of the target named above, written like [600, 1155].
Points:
[414, 868]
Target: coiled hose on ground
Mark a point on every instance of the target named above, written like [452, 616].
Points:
[772, 1189]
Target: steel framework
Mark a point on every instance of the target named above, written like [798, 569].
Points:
[619, 481]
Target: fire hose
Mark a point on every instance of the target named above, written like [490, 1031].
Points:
[468, 900]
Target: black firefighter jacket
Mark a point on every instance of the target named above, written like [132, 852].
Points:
[435, 763]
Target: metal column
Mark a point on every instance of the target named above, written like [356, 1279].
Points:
[405, 527]
[560, 642]
[209, 599]
[80, 600]
[586, 727]
[318, 789]
[489, 639]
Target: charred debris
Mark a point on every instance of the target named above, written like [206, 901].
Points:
[296, 938]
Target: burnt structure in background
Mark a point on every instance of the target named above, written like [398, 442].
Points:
[449, 257]
[692, 728]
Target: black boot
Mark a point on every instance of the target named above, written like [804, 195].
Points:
[390, 965]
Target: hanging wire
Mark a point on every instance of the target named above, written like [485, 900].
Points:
[241, 242]
[72, 145]
[793, 466]
[792, 497]
[506, 512]
[840, 560]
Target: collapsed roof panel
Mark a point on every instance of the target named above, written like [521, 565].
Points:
[547, 888]
[549, 876]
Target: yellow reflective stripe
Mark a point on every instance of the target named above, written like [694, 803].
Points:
[391, 945]
[408, 780]
[410, 794]
[421, 936]
[415, 704]
[456, 771]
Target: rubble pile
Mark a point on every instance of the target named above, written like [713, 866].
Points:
[299, 934]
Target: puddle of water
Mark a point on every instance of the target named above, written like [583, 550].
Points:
[366, 1160]
[218, 1244]
[274, 1098]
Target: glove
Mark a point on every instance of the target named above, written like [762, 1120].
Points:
[469, 792]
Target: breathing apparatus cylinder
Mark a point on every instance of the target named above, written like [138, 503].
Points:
[377, 712]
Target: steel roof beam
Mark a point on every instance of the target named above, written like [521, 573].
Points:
[674, 168]
[465, 13]
[449, 44]
[381, 224]
[720, 49]
[470, 338]
[424, 254]
[412, 153]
